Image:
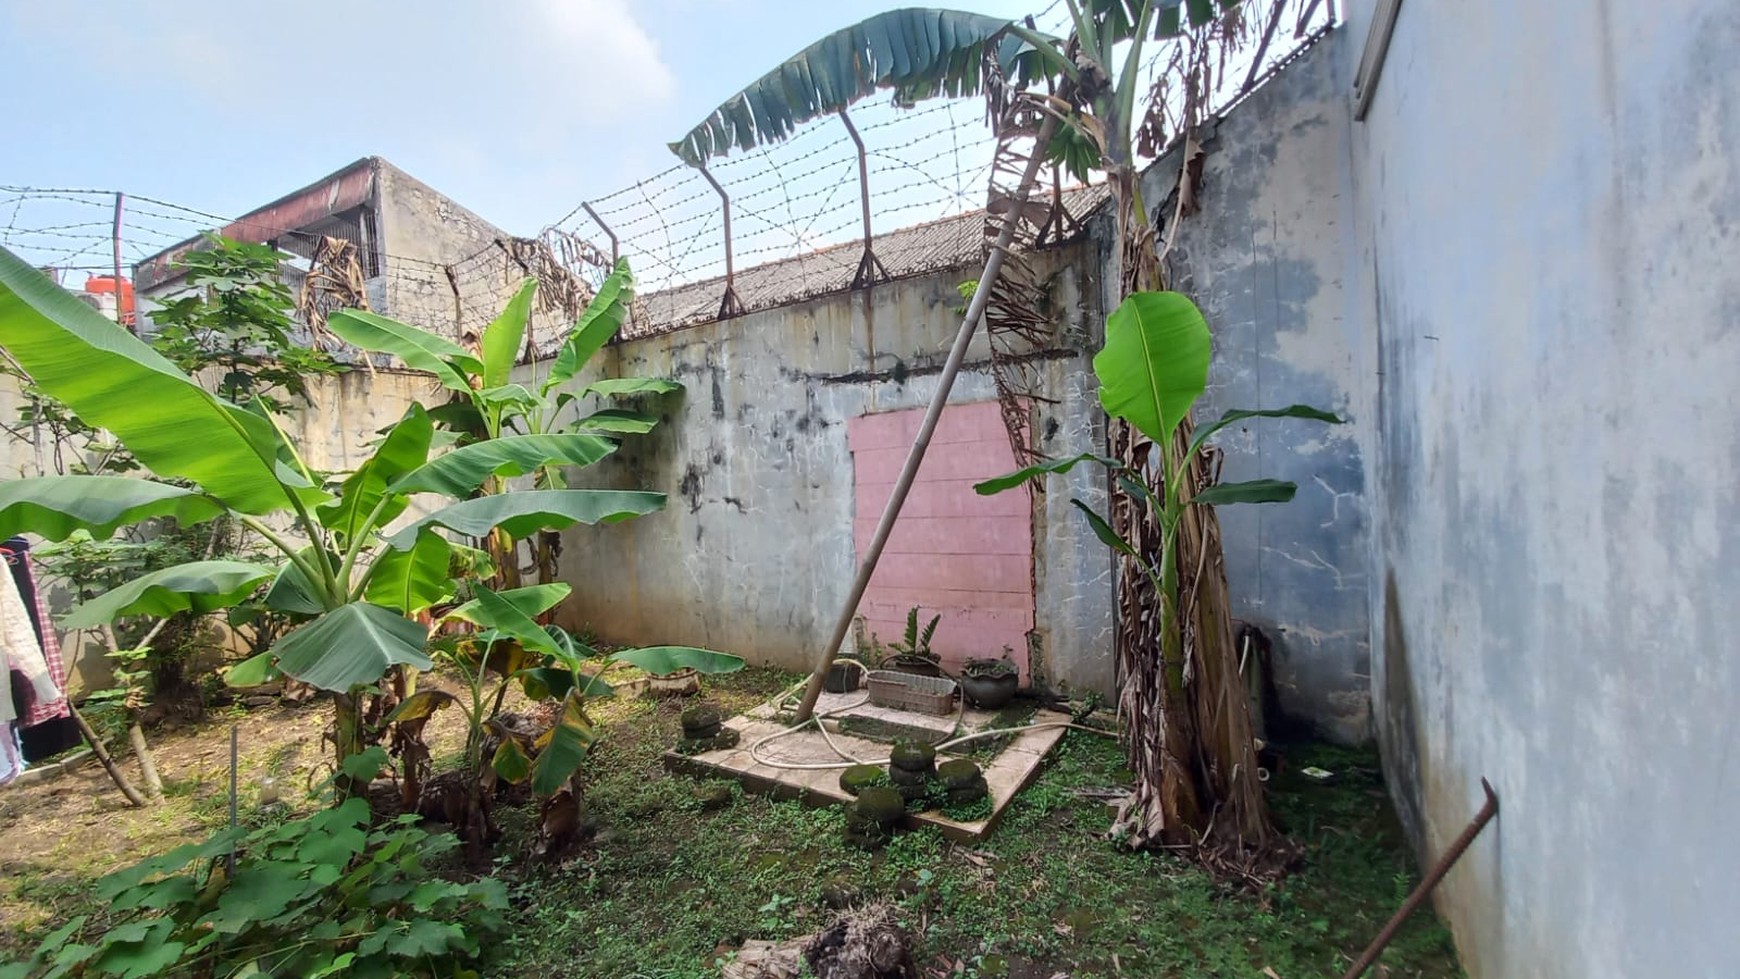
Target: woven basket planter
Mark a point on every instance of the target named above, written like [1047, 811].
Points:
[909, 691]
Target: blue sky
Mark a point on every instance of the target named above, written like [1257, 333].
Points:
[518, 109]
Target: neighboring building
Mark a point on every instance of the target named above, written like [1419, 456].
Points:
[411, 245]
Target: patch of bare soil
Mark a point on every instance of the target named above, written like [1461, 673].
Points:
[58, 834]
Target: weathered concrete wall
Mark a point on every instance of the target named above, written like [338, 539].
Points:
[423, 232]
[1265, 260]
[333, 435]
[1550, 220]
[755, 552]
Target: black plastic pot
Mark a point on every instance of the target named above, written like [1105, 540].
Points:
[843, 678]
[990, 692]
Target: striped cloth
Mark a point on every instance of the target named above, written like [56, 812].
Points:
[37, 712]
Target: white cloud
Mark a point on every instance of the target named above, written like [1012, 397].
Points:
[603, 51]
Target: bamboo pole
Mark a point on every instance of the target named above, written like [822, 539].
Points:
[933, 414]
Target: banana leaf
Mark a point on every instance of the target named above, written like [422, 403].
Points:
[505, 335]
[115, 381]
[616, 421]
[664, 660]
[405, 448]
[1204, 433]
[531, 600]
[1009, 481]
[915, 51]
[419, 349]
[507, 620]
[351, 645]
[462, 471]
[598, 322]
[1254, 491]
[559, 757]
[632, 385]
[522, 514]
[198, 587]
[55, 507]
[411, 581]
[1154, 364]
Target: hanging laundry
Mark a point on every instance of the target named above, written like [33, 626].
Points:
[23, 568]
[44, 728]
[23, 652]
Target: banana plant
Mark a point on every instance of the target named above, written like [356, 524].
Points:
[356, 584]
[546, 663]
[506, 429]
[1152, 370]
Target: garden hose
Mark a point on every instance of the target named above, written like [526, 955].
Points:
[778, 701]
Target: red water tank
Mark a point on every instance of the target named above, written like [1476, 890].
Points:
[102, 285]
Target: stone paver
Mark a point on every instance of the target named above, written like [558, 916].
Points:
[1006, 775]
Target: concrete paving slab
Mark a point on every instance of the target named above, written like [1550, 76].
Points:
[1012, 770]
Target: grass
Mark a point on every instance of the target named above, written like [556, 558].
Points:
[668, 888]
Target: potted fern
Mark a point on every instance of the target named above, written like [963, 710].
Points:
[913, 653]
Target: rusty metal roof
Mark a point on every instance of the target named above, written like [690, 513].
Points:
[935, 246]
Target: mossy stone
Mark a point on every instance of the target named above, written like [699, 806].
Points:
[840, 894]
[700, 722]
[860, 777]
[914, 756]
[900, 776]
[968, 792]
[958, 773]
[723, 737]
[880, 805]
[713, 796]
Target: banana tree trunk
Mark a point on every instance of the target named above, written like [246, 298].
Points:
[347, 740]
[1187, 719]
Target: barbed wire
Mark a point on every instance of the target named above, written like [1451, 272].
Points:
[796, 207]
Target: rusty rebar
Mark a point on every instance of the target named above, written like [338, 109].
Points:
[615, 246]
[729, 304]
[1457, 848]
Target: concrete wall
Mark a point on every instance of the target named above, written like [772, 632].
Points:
[755, 552]
[1265, 260]
[1549, 224]
[423, 233]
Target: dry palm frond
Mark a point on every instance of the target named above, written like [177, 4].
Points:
[334, 281]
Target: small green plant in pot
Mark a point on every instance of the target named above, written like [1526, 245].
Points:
[988, 682]
[913, 653]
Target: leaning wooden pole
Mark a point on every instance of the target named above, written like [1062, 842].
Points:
[933, 414]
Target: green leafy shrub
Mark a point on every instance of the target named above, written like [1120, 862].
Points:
[325, 895]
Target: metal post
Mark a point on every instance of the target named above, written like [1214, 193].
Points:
[120, 201]
[869, 265]
[235, 752]
[615, 247]
[729, 304]
[933, 414]
[1457, 848]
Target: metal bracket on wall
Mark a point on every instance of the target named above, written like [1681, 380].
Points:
[615, 247]
[729, 304]
[869, 266]
[1371, 60]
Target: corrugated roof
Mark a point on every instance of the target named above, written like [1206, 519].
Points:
[935, 246]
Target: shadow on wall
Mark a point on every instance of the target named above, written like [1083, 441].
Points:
[1398, 735]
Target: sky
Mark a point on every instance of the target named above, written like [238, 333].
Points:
[517, 109]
